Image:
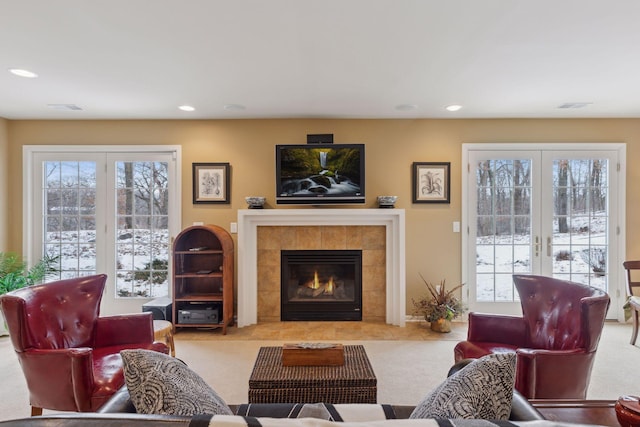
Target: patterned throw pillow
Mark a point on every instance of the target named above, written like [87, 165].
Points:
[483, 389]
[161, 384]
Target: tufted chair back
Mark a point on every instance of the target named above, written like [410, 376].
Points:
[559, 314]
[55, 315]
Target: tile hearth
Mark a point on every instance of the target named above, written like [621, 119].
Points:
[328, 331]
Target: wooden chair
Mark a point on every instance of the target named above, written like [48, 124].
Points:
[633, 283]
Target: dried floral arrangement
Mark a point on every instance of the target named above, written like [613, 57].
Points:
[439, 303]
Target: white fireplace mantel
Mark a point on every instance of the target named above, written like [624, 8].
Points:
[250, 219]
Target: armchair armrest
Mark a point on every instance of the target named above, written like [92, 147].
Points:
[545, 373]
[135, 328]
[496, 328]
[72, 376]
[540, 354]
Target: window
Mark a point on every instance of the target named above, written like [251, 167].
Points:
[551, 210]
[106, 210]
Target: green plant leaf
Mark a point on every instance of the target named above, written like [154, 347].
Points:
[14, 273]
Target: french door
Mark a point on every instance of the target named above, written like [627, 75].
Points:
[107, 211]
[553, 210]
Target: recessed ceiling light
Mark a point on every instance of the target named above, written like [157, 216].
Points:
[574, 104]
[186, 108]
[453, 107]
[406, 107]
[23, 73]
[65, 107]
[234, 107]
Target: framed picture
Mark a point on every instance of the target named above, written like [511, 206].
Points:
[431, 182]
[211, 183]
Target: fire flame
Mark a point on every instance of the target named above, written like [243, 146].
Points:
[327, 288]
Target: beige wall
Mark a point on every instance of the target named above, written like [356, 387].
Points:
[392, 145]
[4, 186]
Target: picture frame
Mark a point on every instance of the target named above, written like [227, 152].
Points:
[211, 183]
[431, 182]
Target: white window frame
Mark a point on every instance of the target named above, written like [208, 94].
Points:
[32, 250]
[617, 289]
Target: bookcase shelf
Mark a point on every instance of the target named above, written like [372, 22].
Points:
[203, 278]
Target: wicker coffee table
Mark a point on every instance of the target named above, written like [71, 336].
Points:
[353, 382]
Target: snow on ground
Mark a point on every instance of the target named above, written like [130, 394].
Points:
[574, 255]
[497, 258]
[136, 251]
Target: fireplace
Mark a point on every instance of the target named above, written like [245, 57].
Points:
[321, 285]
[263, 233]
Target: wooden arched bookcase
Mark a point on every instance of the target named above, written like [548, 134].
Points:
[203, 278]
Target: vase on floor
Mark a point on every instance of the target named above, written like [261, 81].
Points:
[441, 325]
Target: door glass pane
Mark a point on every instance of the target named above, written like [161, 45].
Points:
[69, 223]
[503, 218]
[142, 232]
[580, 235]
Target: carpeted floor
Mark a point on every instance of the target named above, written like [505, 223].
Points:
[408, 362]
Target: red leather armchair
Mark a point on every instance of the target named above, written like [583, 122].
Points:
[555, 339]
[68, 354]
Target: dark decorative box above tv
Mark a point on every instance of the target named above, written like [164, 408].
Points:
[323, 138]
[316, 174]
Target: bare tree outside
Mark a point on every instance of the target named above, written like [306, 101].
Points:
[503, 226]
[142, 248]
[142, 235]
[503, 215]
[69, 217]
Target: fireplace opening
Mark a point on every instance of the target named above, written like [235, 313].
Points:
[321, 285]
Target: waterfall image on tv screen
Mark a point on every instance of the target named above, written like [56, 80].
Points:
[313, 173]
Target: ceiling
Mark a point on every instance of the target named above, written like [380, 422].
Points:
[141, 59]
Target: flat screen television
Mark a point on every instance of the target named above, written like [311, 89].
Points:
[317, 174]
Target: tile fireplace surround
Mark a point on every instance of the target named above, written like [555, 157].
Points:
[250, 219]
